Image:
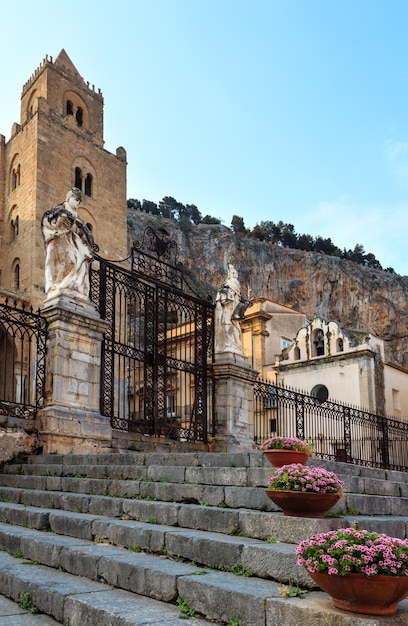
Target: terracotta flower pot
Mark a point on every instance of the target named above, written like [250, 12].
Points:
[285, 457]
[303, 504]
[374, 595]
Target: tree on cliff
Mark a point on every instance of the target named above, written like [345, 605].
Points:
[238, 225]
[207, 219]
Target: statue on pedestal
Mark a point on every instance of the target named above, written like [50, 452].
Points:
[68, 248]
[230, 307]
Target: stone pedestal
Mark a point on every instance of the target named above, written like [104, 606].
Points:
[234, 403]
[70, 420]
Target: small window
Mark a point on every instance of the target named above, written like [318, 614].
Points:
[171, 319]
[296, 354]
[15, 177]
[339, 345]
[79, 116]
[320, 393]
[171, 406]
[285, 343]
[83, 182]
[270, 401]
[396, 402]
[70, 108]
[14, 225]
[17, 276]
[78, 178]
[88, 185]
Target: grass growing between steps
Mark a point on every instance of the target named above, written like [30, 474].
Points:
[26, 603]
[291, 591]
[185, 609]
[135, 549]
[236, 569]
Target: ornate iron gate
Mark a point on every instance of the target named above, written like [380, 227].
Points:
[23, 335]
[158, 344]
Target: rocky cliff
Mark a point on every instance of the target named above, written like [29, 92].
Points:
[355, 296]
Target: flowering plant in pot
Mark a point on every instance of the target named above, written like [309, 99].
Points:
[285, 450]
[364, 572]
[304, 491]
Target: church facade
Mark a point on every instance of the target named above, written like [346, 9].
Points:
[321, 359]
[57, 144]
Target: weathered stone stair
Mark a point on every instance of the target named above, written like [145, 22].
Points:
[119, 539]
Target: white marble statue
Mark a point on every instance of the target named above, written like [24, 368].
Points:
[229, 309]
[68, 248]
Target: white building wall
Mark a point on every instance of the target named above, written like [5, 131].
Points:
[396, 392]
[344, 380]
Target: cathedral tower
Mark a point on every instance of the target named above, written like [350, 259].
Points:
[58, 144]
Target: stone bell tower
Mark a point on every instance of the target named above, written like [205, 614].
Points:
[58, 144]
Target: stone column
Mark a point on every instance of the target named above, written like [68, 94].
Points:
[70, 421]
[234, 403]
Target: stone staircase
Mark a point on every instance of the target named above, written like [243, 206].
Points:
[146, 538]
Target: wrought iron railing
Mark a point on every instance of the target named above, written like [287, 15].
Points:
[22, 360]
[338, 432]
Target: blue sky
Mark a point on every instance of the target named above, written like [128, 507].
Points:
[292, 110]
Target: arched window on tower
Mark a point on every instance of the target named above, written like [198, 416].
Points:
[88, 185]
[84, 182]
[14, 227]
[16, 276]
[15, 177]
[78, 178]
[70, 108]
[339, 345]
[296, 354]
[79, 116]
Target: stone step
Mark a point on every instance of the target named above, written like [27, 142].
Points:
[273, 560]
[154, 527]
[231, 496]
[245, 477]
[189, 459]
[62, 598]
[266, 546]
[201, 459]
[207, 459]
[12, 615]
[255, 523]
[255, 472]
[159, 578]
[83, 588]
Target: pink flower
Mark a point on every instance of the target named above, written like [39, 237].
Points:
[347, 550]
[286, 443]
[298, 477]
